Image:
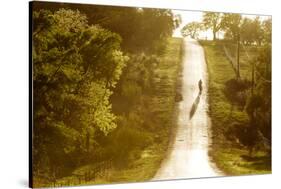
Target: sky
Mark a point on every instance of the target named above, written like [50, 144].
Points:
[191, 16]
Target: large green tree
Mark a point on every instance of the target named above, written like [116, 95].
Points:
[212, 21]
[75, 68]
[231, 24]
[251, 31]
[191, 29]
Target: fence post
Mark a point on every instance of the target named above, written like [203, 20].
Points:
[238, 56]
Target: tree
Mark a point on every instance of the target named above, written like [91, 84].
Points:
[75, 68]
[267, 31]
[251, 31]
[177, 20]
[141, 29]
[155, 25]
[247, 36]
[77, 62]
[191, 29]
[259, 101]
[212, 21]
[257, 30]
[231, 24]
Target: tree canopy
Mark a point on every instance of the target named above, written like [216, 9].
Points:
[212, 21]
[231, 24]
[75, 67]
[191, 29]
[141, 29]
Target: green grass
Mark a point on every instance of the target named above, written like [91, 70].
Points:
[229, 156]
[142, 169]
[235, 161]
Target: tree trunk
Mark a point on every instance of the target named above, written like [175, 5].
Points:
[214, 36]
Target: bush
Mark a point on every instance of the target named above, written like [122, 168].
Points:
[128, 139]
[236, 91]
[131, 90]
[243, 134]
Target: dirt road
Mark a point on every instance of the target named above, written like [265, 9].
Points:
[188, 156]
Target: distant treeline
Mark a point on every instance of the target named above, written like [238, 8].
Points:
[79, 54]
[233, 26]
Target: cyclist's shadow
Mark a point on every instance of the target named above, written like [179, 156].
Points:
[194, 105]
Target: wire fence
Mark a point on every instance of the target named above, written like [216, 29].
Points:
[102, 170]
[231, 59]
[250, 60]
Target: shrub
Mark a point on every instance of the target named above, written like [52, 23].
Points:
[236, 91]
[127, 139]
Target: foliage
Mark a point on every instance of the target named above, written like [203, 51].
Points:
[212, 21]
[231, 24]
[259, 103]
[267, 30]
[75, 67]
[236, 91]
[191, 29]
[139, 143]
[80, 79]
[142, 29]
[251, 31]
[145, 119]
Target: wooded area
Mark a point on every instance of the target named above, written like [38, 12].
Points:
[94, 71]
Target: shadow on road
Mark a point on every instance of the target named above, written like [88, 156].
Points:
[194, 106]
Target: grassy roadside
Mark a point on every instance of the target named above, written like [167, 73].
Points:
[229, 156]
[162, 107]
[152, 117]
